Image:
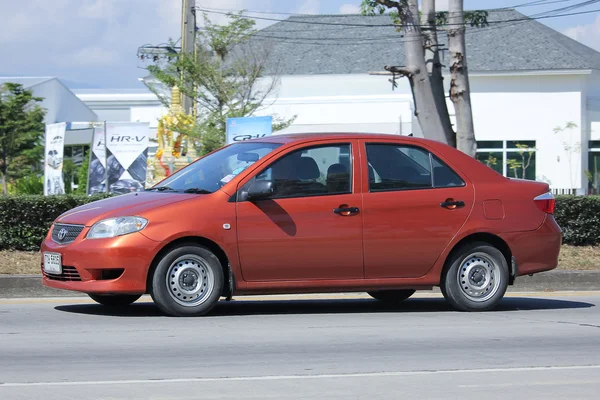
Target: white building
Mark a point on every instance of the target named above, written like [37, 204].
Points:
[61, 105]
[526, 80]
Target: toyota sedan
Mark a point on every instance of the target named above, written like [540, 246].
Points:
[310, 213]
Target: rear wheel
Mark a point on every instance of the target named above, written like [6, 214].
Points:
[187, 281]
[392, 296]
[476, 279]
[118, 300]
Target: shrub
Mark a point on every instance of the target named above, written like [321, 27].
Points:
[25, 220]
[579, 218]
[29, 184]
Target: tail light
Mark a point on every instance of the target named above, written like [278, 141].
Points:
[545, 202]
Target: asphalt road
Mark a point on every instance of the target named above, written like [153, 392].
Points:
[540, 346]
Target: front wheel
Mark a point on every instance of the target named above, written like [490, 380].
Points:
[392, 296]
[187, 281]
[118, 300]
[476, 279]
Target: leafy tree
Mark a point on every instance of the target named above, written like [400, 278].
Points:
[522, 163]
[29, 184]
[569, 146]
[424, 69]
[21, 132]
[70, 174]
[82, 174]
[226, 77]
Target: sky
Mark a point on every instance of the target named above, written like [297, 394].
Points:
[94, 43]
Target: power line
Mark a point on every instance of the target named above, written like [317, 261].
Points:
[395, 25]
[228, 10]
[354, 41]
[536, 3]
[567, 8]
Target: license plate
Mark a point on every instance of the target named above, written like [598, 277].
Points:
[52, 263]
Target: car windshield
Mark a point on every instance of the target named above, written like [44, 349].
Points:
[213, 171]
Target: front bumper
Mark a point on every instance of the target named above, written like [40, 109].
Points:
[133, 254]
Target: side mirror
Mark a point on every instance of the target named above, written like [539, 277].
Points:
[260, 190]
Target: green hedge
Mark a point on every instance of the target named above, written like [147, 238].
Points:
[25, 220]
[579, 218]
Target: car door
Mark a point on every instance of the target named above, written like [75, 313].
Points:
[311, 227]
[414, 204]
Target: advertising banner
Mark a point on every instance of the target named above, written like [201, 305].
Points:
[239, 129]
[97, 169]
[53, 159]
[126, 156]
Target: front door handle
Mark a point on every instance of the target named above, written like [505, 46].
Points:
[452, 204]
[345, 210]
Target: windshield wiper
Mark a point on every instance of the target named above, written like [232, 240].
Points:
[162, 188]
[197, 191]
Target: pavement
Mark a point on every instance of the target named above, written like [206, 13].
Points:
[338, 346]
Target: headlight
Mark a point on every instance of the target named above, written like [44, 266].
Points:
[116, 227]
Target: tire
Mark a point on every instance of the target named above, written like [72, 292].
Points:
[476, 279]
[119, 300]
[392, 296]
[187, 281]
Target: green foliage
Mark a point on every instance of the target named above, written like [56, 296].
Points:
[579, 219]
[25, 220]
[82, 174]
[21, 132]
[29, 184]
[226, 77]
[520, 165]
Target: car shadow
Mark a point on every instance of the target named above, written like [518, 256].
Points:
[337, 306]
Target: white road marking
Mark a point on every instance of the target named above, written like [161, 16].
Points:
[539, 383]
[301, 377]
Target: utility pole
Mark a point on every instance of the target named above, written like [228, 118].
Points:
[188, 44]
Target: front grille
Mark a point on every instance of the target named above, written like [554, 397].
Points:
[63, 233]
[68, 274]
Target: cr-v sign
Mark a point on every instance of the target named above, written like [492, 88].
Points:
[240, 129]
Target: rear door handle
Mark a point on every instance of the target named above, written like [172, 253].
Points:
[346, 210]
[452, 204]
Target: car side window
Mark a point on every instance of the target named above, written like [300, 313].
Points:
[443, 176]
[313, 171]
[393, 167]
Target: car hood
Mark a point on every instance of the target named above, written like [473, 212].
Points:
[118, 206]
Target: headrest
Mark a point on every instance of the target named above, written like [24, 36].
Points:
[307, 168]
[336, 169]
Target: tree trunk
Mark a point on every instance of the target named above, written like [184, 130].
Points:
[434, 67]
[426, 108]
[459, 85]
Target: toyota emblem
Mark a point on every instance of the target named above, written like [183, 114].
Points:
[62, 234]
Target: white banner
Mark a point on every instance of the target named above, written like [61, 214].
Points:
[54, 152]
[97, 169]
[126, 156]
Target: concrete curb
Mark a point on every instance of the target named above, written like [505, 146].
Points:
[17, 286]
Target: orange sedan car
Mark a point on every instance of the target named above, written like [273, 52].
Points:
[308, 213]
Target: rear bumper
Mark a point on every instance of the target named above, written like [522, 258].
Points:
[133, 254]
[535, 251]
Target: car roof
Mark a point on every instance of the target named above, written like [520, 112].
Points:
[304, 137]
